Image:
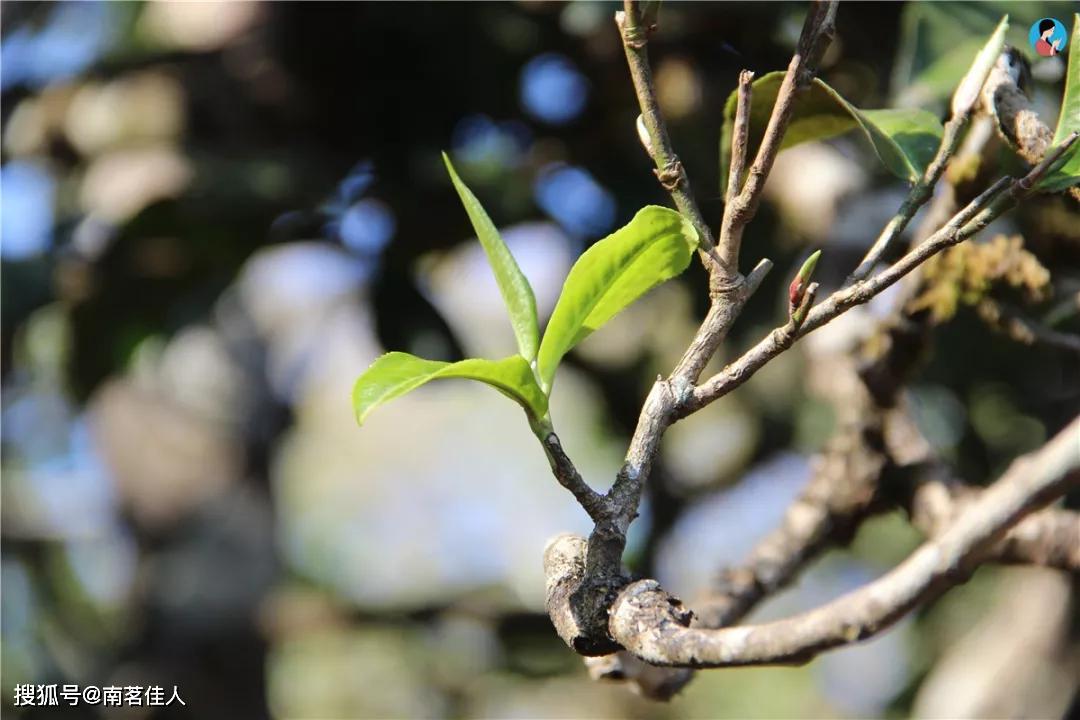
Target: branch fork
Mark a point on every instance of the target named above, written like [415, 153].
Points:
[594, 606]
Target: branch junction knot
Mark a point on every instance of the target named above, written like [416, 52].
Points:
[671, 175]
[633, 34]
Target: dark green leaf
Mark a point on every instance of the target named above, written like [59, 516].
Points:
[397, 373]
[904, 140]
[514, 286]
[655, 246]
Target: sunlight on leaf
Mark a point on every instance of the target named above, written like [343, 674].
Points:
[397, 373]
[655, 246]
[513, 285]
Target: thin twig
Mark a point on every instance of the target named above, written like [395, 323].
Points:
[755, 276]
[918, 195]
[569, 477]
[669, 169]
[979, 213]
[963, 106]
[727, 302]
[963, 225]
[741, 207]
[1050, 159]
[740, 136]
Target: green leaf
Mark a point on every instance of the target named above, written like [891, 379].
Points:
[1069, 118]
[904, 140]
[655, 246]
[513, 285]
[397, 373]
[1067, 173]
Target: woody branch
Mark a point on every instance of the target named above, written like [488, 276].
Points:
[585, 578]
[602, 574]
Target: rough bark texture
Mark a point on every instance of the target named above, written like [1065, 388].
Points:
[654, 626]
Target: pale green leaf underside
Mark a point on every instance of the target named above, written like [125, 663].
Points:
[654, 246]
[397, 373]
[513, 285]
[1067, 173]
[905, 140]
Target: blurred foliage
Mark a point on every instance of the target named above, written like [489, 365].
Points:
[967, 272]
[934, 53]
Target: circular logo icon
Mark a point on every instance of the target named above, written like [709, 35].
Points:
[1047, 37]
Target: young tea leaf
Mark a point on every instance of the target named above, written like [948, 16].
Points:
[513, 285]
[655, 246]
[1067, 173]
[397, 373]
[904, 140]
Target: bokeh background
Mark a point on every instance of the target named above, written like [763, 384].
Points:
[215, 216]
